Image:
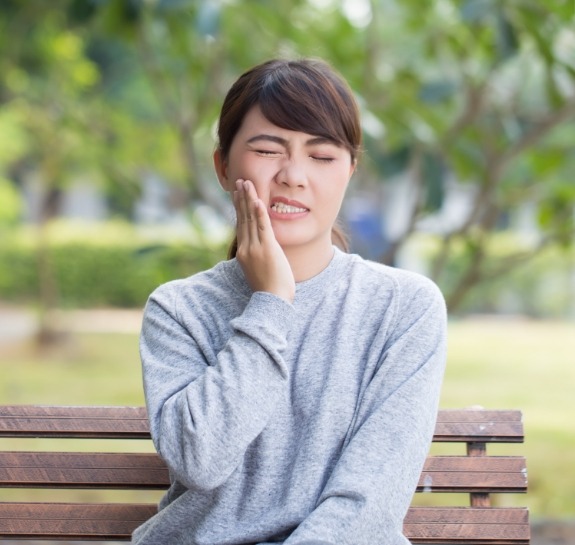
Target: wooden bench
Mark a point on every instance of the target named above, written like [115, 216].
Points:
[472, 472]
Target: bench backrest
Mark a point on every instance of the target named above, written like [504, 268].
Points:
[472, 472]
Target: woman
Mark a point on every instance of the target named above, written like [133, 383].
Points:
[292, 389]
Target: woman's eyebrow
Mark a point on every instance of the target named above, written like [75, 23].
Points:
[316, 140]
[313, 141]
[267, 138]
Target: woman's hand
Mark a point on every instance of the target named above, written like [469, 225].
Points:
[261, 257]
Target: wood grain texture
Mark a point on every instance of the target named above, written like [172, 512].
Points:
[479, 426]
[82, 470]
[147, 471]
[131, 422]
[505, 526]
[81, 422]
[467, 525]
[476, 473]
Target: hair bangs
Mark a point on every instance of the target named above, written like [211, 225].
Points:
[294, 101]
[304, 96]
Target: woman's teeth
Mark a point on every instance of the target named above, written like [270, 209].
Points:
[286, 208]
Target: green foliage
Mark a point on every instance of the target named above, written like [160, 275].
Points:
[539, 287]
[480, 91]
[13, 139]
[10, 203]
[95, 273]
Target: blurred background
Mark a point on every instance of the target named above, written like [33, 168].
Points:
[107, 121]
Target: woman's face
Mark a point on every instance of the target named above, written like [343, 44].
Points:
[301, 178]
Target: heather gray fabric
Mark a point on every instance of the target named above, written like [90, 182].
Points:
[303, 424]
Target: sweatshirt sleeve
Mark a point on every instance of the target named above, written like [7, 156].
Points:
[370, 489]
[203, 417]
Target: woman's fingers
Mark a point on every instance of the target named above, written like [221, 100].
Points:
[248, 207]
[265, 231]
[251, 200]
[241, 214]
[260, 227]
[262, 259]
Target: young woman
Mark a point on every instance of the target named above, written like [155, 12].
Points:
[292, 390]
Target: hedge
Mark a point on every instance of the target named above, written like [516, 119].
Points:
[115, 265]
[93, 273]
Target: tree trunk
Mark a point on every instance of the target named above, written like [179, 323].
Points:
[48, 333]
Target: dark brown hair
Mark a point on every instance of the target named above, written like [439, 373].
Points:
[300, 95]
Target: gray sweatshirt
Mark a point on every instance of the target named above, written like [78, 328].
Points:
[303, 424]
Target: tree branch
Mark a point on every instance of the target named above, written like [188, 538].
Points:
[473, 105]
[416, 170]
[537, 131]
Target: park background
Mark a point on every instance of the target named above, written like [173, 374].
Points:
[107, 114]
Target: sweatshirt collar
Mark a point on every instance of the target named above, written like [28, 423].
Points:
[311, 287]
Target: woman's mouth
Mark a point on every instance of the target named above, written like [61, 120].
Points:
[283, 208]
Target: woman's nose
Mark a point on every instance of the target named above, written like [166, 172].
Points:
[292, 173]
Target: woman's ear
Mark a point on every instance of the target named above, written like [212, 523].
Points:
[352, 167]
[221, 169]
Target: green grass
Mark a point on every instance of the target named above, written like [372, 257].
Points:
[525, 365]
[496, 363]
[88, 369]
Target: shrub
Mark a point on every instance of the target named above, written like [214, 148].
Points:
[105, 270]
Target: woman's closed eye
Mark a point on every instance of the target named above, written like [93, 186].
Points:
[314, 156]
[268, 152]
[324, 153]
[322, 158]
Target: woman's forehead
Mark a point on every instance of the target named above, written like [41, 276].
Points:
[256, 127]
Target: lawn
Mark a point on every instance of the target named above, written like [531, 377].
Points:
[530, 366]
[495, 363]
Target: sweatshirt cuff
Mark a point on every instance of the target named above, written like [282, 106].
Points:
[270, 311]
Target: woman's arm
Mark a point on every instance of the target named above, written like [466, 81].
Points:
[372, 485]
[203, 417]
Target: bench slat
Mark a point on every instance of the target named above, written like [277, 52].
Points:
[459, 524]
[505, 526]
[493, 474]
[131, 422]
[479, 425]
[498, 432]
[74, 422]
[72, 521]
[479, 415]
[82, 470]
[147, 471]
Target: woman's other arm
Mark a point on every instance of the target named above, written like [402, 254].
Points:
[371, 487]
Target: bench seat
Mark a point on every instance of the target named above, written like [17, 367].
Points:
[473, 472]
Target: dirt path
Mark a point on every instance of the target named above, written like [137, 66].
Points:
[18, 323]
